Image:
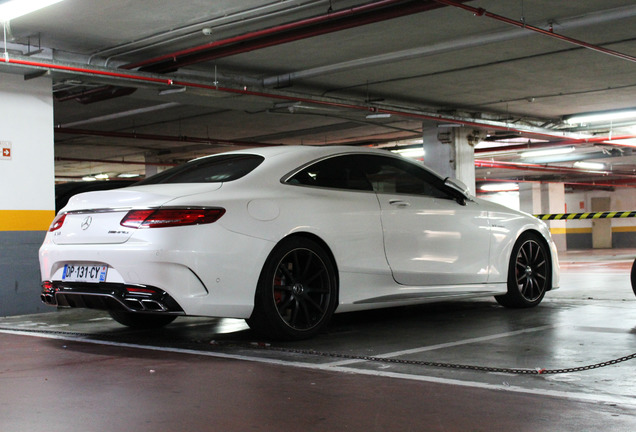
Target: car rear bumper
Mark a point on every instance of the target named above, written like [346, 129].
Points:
[109, 296]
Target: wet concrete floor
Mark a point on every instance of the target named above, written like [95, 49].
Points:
[453, 366]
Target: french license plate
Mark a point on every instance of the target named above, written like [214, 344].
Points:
[84, 273]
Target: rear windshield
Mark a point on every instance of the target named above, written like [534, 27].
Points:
[213, 169]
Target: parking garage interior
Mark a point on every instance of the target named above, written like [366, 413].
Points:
[530, 103]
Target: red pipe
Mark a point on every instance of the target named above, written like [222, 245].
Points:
[310, 27]
[484, 12]
[244, 91]
[153, 137]
[532, 167]
[546, 168]
[533, 146]
[66, 159]
[612, 183]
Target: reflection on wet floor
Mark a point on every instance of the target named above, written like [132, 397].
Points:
[591, 319]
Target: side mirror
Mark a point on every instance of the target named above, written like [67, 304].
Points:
[460, 188]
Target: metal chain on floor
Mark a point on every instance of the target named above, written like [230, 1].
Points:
[537, 371]
[375, 359]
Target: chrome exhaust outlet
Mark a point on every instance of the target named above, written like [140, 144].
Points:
[153, 305]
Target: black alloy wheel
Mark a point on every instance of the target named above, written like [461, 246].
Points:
[529, 273]
[633, 276]
[296, 293]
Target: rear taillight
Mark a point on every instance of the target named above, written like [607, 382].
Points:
[170, 217]
[57, 222]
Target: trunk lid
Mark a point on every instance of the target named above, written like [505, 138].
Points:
[94, 217]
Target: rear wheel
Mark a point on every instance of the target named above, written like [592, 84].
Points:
[634, 276]
[296, 293]
[141, 321]
[529, 273]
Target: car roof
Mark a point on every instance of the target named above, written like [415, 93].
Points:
[301, 150]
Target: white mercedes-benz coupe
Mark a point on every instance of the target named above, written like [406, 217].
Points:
[286, 236]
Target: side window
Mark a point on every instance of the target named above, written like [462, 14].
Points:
[340, 172]
[391, 175]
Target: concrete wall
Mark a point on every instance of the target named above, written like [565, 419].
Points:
[579, 233]
[27, 197]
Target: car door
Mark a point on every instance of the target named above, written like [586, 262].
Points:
[430, 237]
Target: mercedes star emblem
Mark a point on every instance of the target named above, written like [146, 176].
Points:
[86, 222]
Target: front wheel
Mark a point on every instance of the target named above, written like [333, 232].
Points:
[634, 276]
[529, 273]
[297, 291]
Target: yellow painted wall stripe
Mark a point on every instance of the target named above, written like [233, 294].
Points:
[26, 220]
[555, 231]
[622, 229]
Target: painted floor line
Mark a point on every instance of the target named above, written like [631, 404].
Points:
[452, 344]
[580, 397]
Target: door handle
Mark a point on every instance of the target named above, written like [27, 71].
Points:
[399, 203]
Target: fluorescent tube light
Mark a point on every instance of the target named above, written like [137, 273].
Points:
[378, 116]
[16, 8]
[547, 152]
[499, 187]
[172, 90]
[411, 153]
[589, 165]
[606, 116]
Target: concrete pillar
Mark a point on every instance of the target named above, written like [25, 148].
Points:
[601, 228]
[151, 168]
[452, 154]
[530, 198]
[27, 177]
[553, 201]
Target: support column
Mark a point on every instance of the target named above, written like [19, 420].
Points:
[530, 198]
[601, 228]
[27, 178]
[452, 154]
[553, 201]
[151, 160]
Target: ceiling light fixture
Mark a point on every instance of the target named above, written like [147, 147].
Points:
[411, 152]
[378, 116]
[589, 165]
[172, 90]
[499, 187]
[605, 116]
[16, 8]
[547, 152]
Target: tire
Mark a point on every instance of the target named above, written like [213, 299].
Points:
[141, 321]
[634, 277]
[529, 273]
[296, 292]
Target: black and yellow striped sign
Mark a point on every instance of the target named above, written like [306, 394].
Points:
[597, 215]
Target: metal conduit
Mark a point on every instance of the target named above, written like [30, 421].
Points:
[448, 46]
[483, 12]
[546, 168]
[154, 137]
[159, 80]
[241, 17]
[323, 24]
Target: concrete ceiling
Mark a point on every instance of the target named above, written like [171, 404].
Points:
[309, 72]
